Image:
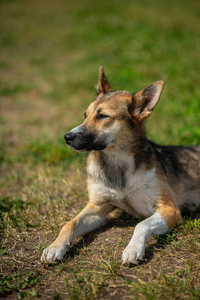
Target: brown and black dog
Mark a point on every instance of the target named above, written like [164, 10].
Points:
[128, 171]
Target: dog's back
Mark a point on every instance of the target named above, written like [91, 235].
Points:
[181, 166]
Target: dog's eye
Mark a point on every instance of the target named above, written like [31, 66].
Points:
[85, 115]
[102, 116]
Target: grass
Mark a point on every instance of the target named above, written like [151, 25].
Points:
[49, 60]
[19, 283]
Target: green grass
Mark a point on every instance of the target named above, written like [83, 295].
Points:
[19, 283]
[49, 60]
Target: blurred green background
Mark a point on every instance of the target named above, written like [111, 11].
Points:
[50, 52]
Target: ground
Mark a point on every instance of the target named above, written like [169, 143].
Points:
[49, 60]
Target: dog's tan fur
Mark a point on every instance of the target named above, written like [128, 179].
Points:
[128, 171]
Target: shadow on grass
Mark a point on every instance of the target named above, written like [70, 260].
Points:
[121, 221]
[124, 220]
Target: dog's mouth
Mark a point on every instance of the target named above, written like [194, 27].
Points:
[82, 141]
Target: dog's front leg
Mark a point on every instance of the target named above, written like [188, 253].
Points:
[160, 222]
[90, 218]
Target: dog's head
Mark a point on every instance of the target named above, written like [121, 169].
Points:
[114, 118]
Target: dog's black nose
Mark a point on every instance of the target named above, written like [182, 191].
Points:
[69, 137]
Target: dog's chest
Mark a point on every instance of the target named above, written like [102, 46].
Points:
[139, 194]
[132, 191]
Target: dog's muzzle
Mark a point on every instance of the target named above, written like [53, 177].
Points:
[81, 140]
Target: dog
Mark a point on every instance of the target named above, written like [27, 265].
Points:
[128, 171]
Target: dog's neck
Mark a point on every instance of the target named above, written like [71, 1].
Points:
[117, 157]
[136, 153]
[111, 166]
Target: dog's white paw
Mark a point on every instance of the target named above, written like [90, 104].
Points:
[55, 251]
[133, 254]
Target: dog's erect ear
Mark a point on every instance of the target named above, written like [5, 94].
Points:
[103, 85]
[145, 100]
